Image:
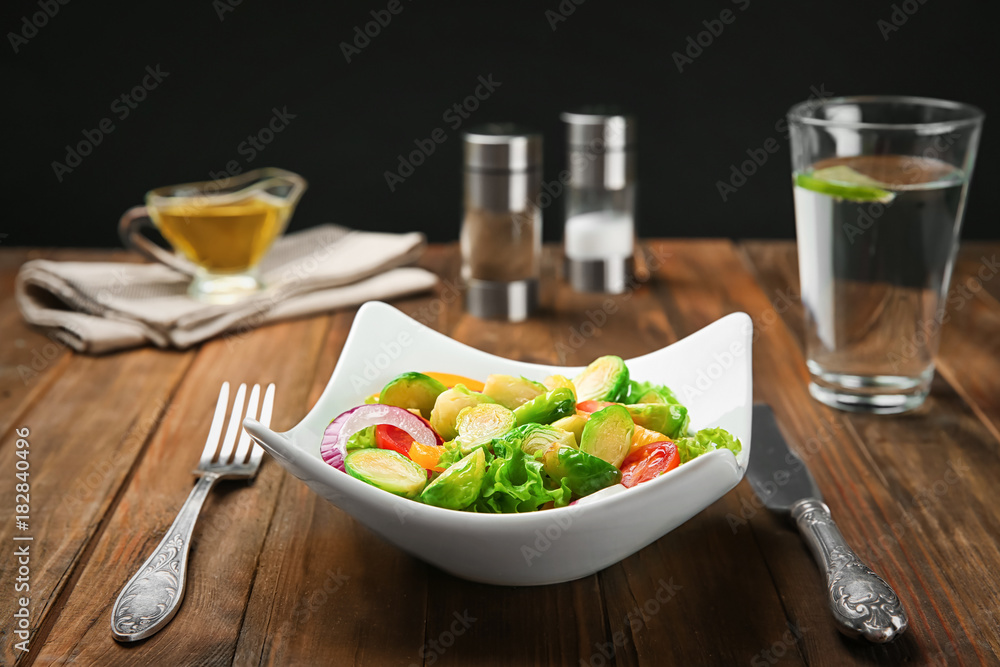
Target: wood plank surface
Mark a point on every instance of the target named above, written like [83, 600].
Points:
[930, 518]
[79, 459]
[29, 359]
[279, 576]
[227, 542]
[970, 339]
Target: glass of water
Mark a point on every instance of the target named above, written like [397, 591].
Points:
[880, 186]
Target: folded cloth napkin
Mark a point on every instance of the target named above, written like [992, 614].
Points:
[99, 307]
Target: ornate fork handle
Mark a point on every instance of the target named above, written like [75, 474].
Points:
[154, 594]
[861, 601]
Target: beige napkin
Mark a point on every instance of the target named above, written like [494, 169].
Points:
[99, 307]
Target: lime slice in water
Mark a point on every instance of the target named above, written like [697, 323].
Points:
[843, 182]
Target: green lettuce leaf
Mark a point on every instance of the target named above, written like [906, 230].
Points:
[362, 439]
[706, 440]
[515, 482]
[452, 454]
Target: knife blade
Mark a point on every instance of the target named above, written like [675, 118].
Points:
[863, 604]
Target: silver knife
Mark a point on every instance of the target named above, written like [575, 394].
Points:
[861, 601]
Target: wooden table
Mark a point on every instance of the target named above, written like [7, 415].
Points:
[279, 576]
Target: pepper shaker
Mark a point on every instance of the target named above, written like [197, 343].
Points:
[502, 228]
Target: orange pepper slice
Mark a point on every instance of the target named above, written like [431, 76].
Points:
[449, 380]
[426, 456]
[643, 436]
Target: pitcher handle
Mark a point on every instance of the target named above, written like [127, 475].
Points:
[130, 230]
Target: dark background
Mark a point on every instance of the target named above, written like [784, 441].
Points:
[229, 69]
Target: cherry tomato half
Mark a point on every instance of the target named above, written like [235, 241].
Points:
[649, 462]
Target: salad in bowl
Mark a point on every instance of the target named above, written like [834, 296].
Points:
[585, 476]
[513, 444]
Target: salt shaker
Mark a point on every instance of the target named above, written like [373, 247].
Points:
[502, 229]
[599, 236]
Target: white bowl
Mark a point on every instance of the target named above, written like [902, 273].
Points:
[709, 371]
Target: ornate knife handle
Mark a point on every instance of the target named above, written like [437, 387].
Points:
[154, 594]
[861, 601]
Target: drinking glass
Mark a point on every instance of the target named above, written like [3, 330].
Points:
[219, 230]
[880, 185]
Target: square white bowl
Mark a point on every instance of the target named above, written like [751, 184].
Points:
[710, 371]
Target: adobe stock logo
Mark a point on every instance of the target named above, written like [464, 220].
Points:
[381, 18]
[455, 116]
[30, 25]
[901, 13]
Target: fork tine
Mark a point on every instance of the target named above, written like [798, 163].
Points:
[265, 419]
[234, 425]
[212, 442]
[244, 446]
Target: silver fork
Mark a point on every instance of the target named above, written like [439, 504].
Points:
[152, 596]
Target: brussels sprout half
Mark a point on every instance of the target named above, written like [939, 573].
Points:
[605, 379]
[510, 391]
[669, 419]
[535, 438]
[388, 470]
[458, 486]
[608, 434]
[556, 381]
[547, 408]
[573, 424]
[647, 392]
[444, 416]
[583, 473]
[479, 424]
[412, 391]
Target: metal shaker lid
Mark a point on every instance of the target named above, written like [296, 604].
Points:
[599, 128]
[502, 147]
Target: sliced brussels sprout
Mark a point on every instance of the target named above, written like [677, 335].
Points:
[556, 381]
[651, 396]
[510, 391]
[583, 473]
[535, 438]
[458, 486]
[479, 424]
[412, 390]
[605, 379]
[574, 424]
[608, 434]
[388, 470]
[670, 419]
[449, 403]
[371, 399]
[547, 408]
